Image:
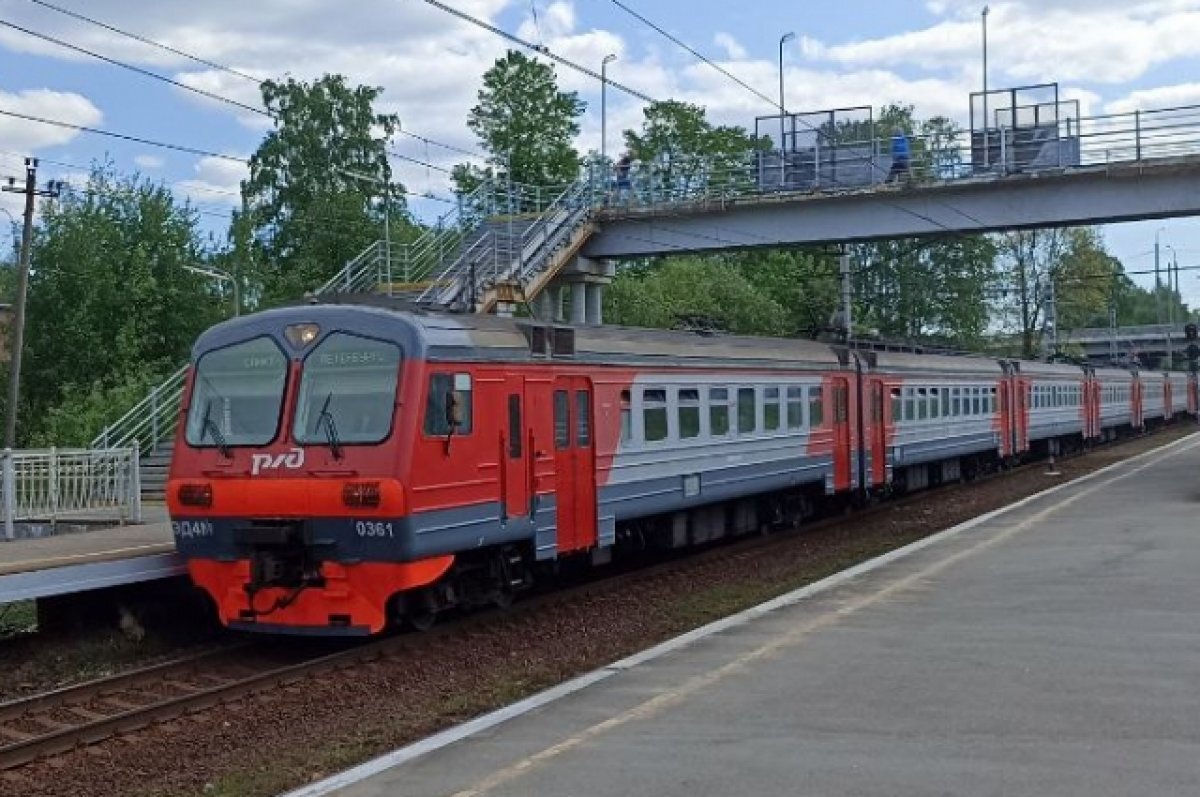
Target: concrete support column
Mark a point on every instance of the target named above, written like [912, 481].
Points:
[541, 307]
[555, 292]
[579, 302]
[595, 303]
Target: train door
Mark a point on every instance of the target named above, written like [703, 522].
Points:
[881, 416]
[1135, 405]
[574, 464]
[514, 452]
[841, 434]
[1008, 424]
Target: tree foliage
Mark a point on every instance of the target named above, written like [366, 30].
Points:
[693, 286]
[318, 183]
[525, 124]
[679, 148]
[926, 289]
[111, 304]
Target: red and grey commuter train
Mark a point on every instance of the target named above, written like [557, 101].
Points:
[343, 466]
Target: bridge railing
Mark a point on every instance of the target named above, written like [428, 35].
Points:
[57, 484]
[149, 422]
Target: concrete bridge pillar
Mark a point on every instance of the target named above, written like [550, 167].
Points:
[588, 279]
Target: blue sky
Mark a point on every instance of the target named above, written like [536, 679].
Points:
[1112, 56]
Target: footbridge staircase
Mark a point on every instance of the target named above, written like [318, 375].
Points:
[497, 249]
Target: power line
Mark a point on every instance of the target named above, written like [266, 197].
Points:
[144, 72]
[693, 51]
[144, 40]
[212, 65]
[122, 136]
[538, 48]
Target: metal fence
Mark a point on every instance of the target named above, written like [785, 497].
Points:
[63, 484]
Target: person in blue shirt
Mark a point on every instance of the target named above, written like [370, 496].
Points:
[900, 156]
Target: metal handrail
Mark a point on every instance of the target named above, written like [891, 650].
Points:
[55, 484]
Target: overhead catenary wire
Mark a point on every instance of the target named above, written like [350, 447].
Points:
[217, 66]
[539, 48]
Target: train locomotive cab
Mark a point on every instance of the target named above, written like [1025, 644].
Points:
[287, 491]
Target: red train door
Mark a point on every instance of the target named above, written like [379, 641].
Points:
[841, 434]
[1008, 426]
[574, 464]
[514, 453]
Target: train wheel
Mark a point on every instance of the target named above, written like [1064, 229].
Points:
[422, 620]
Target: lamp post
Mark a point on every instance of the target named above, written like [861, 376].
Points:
[784, 39]
[1157, 278]
[222, 276]
[604, 106]
[387, 234]
[987, 123]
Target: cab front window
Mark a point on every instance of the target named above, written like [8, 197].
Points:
[237, 392]
[348, 391]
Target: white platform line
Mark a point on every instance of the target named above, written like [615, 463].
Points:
[490, 720]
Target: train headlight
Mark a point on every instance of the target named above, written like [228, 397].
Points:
[195, 495]
[361, 494]
[301, 335]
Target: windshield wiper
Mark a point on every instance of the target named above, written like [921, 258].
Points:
[209, 427]
[325, 418]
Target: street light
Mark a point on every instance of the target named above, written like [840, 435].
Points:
[604, 106]
[784, 39]
[387, 234]
[987, 124]
[218, 274]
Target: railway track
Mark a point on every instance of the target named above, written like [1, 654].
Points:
[55, 722]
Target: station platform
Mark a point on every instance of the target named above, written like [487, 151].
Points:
[1052, 647]
[63, 564]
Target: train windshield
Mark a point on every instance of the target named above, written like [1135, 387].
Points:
[348, 391]
[237, 394]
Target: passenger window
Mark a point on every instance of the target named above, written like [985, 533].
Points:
[447, 391]
[816, 408]
[626, 417]
[795, 407]
[583, 419]
[922, 404]
[654, 415]
[945, 402]
[897, 406]
[935, 403]
[515, 432]
[747, 420]
[771, 408]
[689, 413]
[562, 419]
[718, 411]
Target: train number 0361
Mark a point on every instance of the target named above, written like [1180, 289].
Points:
[369, 528]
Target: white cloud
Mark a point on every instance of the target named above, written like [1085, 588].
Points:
[1159, 97]
[732, 47]
[26, 136]
[215, 181]
[149, 162]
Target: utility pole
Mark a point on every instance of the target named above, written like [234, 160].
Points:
[18, 334]
[784, 39]
[1157, 281]
[987, 144]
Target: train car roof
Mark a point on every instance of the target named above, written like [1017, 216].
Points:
[1035, 368]
[490, 337]
[887, 361]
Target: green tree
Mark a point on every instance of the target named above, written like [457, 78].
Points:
[680, 149]
[317, 185]
[659, 296]
[111, 306]
[525, 124]
[932, 289]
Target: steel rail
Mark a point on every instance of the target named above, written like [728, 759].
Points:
[97, 728]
